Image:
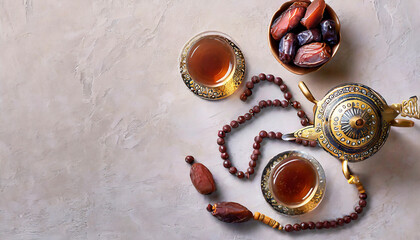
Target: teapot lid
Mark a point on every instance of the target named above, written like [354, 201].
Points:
[350, 120]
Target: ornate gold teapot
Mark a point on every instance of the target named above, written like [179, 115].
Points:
[353, 121]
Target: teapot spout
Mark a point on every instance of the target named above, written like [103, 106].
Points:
[307, 133]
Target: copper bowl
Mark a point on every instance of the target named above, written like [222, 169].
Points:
[274, 44]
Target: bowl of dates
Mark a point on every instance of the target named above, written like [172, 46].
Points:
[304, 35]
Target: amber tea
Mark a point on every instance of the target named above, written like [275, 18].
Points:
[211, 60]
[294, 181]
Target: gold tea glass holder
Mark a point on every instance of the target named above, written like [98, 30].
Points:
[225, 88]
[312, 203]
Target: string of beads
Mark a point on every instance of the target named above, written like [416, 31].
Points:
[263, 134]
[277, 135]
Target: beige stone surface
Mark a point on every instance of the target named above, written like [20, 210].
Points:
[96, 121]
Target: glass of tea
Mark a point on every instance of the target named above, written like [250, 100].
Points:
[212, 65]
[293, 182]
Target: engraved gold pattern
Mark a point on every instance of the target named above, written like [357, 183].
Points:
[265, 182]
[217, 92]
[409, 108]
[332, 122]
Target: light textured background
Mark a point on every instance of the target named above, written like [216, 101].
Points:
[96, 121]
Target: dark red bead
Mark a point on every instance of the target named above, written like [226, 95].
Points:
[288, 95]
[240, 174]
[243, 97]
[296, 227]
[276, 102]
[247, 116]
[250, 170]
[288, 228]
[278, 81]
[227, 164]
[209, 208]
[304, 122]
[220, 141]
[262, 104]
[249, 85]
[358, 209]
[247, 175]
[221, 134]
[305, 142]
[347, 219]
[233, 170]
[284, 103]
[222, 148]
[256, 109]
[340, 221]
[189, 159]
[226, 128]
[362, 203]
[224, 155]
[256, 145]
[251, 111]
[301, 114]
[255, 79]
[269, 103]
[258, 139]
[256, 152]
[313, 143]
[326, 224]
[296, 104]
[298, 141]
[263, 134]
[241, 119]
[272, 135]
[248, 92]
[319, 225]
[354, 216]
[304, 225]
[234, 124]
[283, 88]
[254, 157]
[270, 77]
[333, 223]
[363, 196]
[252, 163]
[262, 76]
[279, 135]
[311, 225]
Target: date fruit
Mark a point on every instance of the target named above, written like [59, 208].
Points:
[314, 14]
[312, 55]
[308, 36]
[288, 19]
[287, 47]
[329, 32]
[231, 212]
[202, 179]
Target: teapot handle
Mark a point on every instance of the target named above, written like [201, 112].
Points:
[351, 179]
[408, 108]
[402, 123]
[307, 93]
